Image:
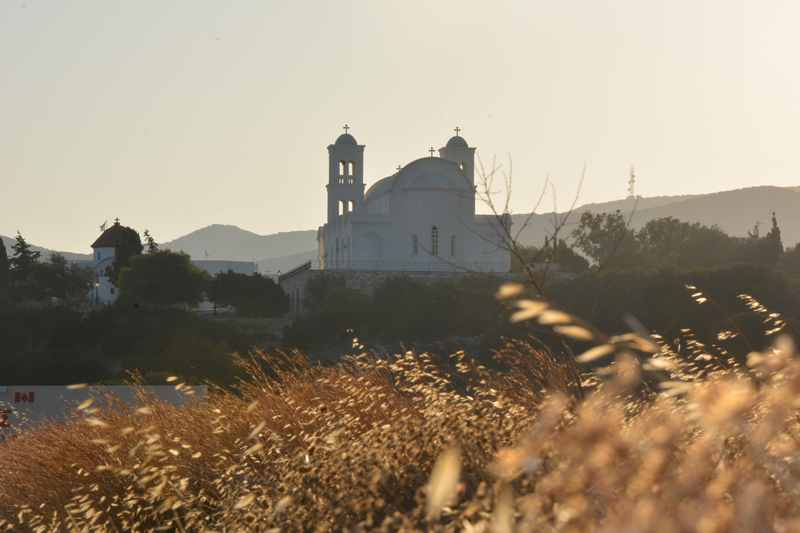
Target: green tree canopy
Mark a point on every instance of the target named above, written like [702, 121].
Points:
[790, 263]
[150, 242]
[24, 258]
[607, 240]
[562, 256]
[668, 242]
[253, 295]
[59, 279]
[5, 275]
[128, 245]
[162, 278]
[4, 272]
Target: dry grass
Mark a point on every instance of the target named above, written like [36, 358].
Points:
[654, 441]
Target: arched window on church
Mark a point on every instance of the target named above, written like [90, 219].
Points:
[342, 168]
[434, 241]
[461, 166]
[414, 245]
[351, 168]
[350, 206]
[452, 246]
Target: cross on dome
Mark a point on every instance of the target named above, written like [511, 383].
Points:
[346, 128]
[431, 150]
[457, 130]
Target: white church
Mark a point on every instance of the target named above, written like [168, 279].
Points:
[419, 221]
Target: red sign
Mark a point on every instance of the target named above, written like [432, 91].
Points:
[23, 397]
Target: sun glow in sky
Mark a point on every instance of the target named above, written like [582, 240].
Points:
[176, 115]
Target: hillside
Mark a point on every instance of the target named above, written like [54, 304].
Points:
[735, 212]
[70, 256]
[284, 263]
[233, 243]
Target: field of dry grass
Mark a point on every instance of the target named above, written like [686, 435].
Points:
[651, 441]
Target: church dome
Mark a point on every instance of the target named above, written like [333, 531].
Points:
[380, 187]
[457, 141]
[115, 236]
[346, 138]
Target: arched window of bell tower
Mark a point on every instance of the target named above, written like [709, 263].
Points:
[341, 207]
[342, 168]
[350, 206]
[351, 168]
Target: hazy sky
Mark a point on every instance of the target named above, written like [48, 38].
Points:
[175, 115]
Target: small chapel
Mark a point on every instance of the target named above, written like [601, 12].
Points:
[419, 221]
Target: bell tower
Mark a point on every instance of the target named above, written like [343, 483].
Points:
[458, 151]
[345, 175]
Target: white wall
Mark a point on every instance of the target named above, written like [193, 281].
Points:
[23, 407]
[104, 292]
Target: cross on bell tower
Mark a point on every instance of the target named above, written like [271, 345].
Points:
[432, 150]
[457, 130]
[346, 128]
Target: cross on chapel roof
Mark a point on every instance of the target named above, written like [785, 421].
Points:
[457, 130]
[431, 150]
[346, 128]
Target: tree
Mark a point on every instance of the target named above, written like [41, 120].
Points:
[319, 290]
[562, 255]
[668, 242]
[253, 295]
[128, 245]
[757, 250]
[150, 242]
[24, 258]
[4, 272]
[59, 279]
[773, 247]
[163, 278]
[607, 239]
[789, 263]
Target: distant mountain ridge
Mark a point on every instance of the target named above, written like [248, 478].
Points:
[70, 256]
[220, 241]
[735, 212]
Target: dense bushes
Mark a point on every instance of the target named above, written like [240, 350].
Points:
[60, 346]
[660, 300]
[400, 309]
[162, 278]
[414, 443]
[251, 296]
[403, 309]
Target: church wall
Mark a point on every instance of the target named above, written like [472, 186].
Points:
[104, 292]
[402, 210]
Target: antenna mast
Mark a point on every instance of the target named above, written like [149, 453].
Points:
[632, 183]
